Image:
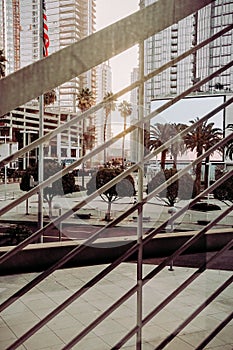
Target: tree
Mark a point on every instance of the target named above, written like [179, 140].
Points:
[109, 106]
[180, 189]
[50, 97]
[229, 146]
[18, 233]
[60, 187]
[201, 138]
[224, 191]
[178, 147]
[2, 64]
[85, 100]
[125, 109]
[124, 188]
[161, 133]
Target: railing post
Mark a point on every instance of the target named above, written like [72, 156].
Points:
[41, 133]
[140, 133]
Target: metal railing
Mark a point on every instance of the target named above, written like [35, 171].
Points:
[138, 27]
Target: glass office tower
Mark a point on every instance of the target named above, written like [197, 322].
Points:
[180, 37]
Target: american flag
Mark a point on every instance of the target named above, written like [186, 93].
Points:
[45, 32]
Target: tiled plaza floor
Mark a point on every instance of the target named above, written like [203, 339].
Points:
[41, 300]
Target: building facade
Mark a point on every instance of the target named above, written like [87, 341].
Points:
[70, 21]
[10, 33]
[180, 37]
[104, 86]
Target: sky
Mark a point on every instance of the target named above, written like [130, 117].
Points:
[108, 12]
[189, 109]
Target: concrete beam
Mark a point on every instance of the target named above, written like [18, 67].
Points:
[52, 71]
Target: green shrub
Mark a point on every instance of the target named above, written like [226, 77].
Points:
[19, 233]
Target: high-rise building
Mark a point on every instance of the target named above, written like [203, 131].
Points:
[10, 33]
[180, 37]
[68, 21]
[104, 86]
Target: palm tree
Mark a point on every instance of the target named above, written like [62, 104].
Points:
[109, 107]
[178, 147]
[2, 64]
[229, 146]
[50, 97]
[125, 109]
[159, 134]
[85, 100]
[203, 137]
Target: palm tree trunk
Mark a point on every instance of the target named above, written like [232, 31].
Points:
[105, 129]
[108, 213]
[206, 176]
[175, 161]
[163, 159]
[198, 177]
[27, 206]
[50, 208]
[123, 144]
[83, 152]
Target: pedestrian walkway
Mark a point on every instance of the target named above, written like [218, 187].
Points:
[31, 308]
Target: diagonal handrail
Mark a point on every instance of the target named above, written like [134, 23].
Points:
[195, 313]
[178, 290]
[83, 289]
[215, 332]
[64, 171]
[69, 212]
[175, 177]
[146, 279]
[79, 249]
[51, 179]
[146, 240]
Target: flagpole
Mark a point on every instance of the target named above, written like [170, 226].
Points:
[41, 125]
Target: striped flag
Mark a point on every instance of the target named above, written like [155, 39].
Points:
[45, 32]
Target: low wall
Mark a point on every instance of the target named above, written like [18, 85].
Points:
[38, 257]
